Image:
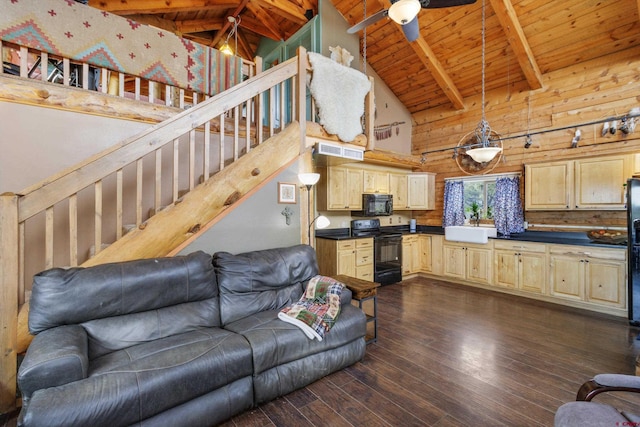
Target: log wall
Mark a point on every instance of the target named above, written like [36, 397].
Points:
[601, 88]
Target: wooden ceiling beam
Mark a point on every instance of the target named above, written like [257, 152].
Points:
[265, 19]
[286, 9]
[123, 8]
[155, 21]
[200, 25]
[429, 59]
[252, 24]
[236, 12]
[518, 41]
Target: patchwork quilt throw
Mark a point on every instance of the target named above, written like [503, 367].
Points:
[339, 92]
[86, 34]
[317, 310]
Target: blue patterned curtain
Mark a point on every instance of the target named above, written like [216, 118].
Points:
[453, 203]
[507, 206]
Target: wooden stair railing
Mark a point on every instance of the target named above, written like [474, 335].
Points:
[125, 182]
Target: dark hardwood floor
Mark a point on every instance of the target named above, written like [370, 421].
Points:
[451, 355]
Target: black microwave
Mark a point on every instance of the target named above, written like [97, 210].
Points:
[376, 205]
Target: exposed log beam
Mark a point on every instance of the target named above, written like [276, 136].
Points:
[220, 34]
[200, 25]
[286, 9]
[518, 41]
[266, 20]
[254, 25]
[429, 59]
[120, 7]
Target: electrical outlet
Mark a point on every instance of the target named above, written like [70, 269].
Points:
[399, 220]
[390, 220]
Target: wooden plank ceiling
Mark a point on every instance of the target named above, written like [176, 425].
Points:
[525, 39]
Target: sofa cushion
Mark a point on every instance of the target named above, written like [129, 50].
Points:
[127, 386]
[115, 333]
[76, 295]
[258, 281]
[275, 342]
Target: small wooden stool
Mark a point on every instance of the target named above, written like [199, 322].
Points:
[362, 291]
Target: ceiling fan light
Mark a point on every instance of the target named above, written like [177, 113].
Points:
[403, 11]
[483, 154]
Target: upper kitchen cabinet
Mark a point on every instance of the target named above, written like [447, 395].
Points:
[375, 181]
[590, 183]
[549, 186]
[413, 191]
[340, 188]
[599, 182]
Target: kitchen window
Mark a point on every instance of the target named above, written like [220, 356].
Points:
[481, 193]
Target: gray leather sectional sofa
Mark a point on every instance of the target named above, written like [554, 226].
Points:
[182, 341]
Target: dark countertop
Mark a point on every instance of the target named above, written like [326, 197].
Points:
[564, 238]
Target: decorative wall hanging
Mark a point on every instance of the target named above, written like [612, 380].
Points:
[386, 131]
[118, 44]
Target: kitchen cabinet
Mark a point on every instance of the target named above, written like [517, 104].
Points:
[375, 181]
[521, 266]
[592, 275]
[364, 259]
[599, 182]
[426, 253]
[410, 255]
[468, 261]
[339, 189]
[590, 183]
[549, 186]
[351, 257]
[412, 191]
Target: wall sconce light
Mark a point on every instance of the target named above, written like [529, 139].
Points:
[226, 48]
[309, 180]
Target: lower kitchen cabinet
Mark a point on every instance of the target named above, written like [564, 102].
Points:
[592, 275]
[351, 257]
[520, 265]
[467, 261]
[410, 254]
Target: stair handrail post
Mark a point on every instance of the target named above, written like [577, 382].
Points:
[9, 288]
[301, 93]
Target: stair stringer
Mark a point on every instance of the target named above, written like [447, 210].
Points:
[171, 228]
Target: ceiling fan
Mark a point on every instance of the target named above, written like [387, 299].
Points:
[405, 13]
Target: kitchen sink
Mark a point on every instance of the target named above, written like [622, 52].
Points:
[470, 234]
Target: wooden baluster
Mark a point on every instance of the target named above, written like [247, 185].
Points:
[119, 208]
[138, 192]
[207, 150]
[176, 169]
[221, 146]
[192, 158]
[158, 185]
[97, 231]
[236, 135]
[48, 239]
[73, 230]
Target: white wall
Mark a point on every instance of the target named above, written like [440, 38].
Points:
[38, 142]
[388, 108]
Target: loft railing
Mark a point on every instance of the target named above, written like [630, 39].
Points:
[65, 219]
[30, 63]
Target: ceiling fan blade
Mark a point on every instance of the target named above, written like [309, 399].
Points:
[437, 4]
[368, 21]
[411, 30]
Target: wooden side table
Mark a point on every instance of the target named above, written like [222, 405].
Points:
[363, 291]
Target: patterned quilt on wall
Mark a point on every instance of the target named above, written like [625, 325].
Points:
[79, 32]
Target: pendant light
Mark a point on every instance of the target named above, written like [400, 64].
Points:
[485, 150]
[226, 48]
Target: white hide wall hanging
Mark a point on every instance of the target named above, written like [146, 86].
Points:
[339, 92]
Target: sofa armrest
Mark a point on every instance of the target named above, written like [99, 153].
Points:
[346, 296]
[608, 382]
[55, 356]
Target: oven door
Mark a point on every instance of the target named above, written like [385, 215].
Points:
[388, 259]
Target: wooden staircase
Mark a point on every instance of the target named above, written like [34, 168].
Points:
[28, 219]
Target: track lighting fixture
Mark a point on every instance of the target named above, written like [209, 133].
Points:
[528, 141]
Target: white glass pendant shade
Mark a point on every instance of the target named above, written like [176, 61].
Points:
[322, 222]
[483, 154]
[309, 179]
[403, 11]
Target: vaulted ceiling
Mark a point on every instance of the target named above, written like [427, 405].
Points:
[525, 39]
